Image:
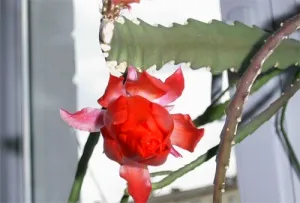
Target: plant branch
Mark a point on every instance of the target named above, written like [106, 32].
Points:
[285, 140]
[216, 111]
[264, 116]
[82, 166]
[290, 151]
[235, 108]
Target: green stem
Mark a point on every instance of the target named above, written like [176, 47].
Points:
[125, 197]
[82, 166]
[264, 116]
[160, 173]
[291, 153]
[285, 140]
[185, 169]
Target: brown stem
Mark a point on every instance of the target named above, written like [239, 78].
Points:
[235, 107]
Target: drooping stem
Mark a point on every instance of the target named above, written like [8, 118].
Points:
[235, 108]
[82, 166]
[285, 140]
[290, 151]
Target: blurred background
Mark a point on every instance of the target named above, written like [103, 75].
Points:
[50, 58]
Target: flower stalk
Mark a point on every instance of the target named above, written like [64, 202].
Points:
[82, 166]
[235, 108]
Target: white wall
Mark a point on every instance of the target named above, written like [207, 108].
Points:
[102, 181]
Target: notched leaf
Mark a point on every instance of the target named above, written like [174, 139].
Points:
[215, 44]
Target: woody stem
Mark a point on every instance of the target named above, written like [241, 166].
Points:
[235, 108]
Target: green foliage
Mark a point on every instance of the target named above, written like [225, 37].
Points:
[216, 44]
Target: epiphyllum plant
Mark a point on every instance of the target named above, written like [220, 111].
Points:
[136, 125]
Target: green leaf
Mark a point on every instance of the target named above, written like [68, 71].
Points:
[217, 45]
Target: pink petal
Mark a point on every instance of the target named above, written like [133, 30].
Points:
[138, 179]
[132, 74]
[169, 107]
[175, 153]
[185, 134]
[146, 86]
[175, 83]
[87, 119]
[114, 89]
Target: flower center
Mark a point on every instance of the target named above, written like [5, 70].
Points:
[152, 144]
[149, 147]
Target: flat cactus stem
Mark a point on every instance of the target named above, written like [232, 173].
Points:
[216, 45]
[235, 107]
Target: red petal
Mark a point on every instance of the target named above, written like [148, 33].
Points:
[175, 83]
[158, 159]
[87, 119]
[146, 86]
[138, 179]
[114, 89]
[117, 111]
[185, 134]
[163, 118]
[111, 147]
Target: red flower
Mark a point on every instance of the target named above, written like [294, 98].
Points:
[136, 125]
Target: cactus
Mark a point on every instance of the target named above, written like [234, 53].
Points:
[217, 45]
